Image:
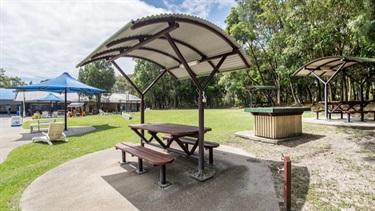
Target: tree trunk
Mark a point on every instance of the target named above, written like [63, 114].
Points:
[310, 95]
[296, 101]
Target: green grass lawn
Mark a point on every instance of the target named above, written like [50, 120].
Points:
[26, 163]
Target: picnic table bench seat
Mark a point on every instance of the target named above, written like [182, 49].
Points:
[153, 157]
[357, 112]
[191, 141]
[317, 111]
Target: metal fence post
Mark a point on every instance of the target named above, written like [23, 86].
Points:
[287, 183]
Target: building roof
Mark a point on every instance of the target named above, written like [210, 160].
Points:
[121, 98]
[7, 94]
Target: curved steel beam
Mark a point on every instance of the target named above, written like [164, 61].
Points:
[126, 39]
[168, 29]
[141, 48]
[146, 59]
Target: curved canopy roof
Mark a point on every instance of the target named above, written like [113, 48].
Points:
[168, 39]
[327, 66]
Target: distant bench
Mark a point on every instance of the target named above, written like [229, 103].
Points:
[190, 141]
[317, 112]
[329, 113]
[153, 157]
[43, 122]
[37, 125]
[358, 112]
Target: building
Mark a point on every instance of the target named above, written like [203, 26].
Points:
[114, 102]
[7, 98]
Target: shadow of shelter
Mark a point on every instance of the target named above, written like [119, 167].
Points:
[239, 183]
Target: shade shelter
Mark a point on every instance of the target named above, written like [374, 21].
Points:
[326, 68]
[64, 83]
[184, 46]
[50, 98]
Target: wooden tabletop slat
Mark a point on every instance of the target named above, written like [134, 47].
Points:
[172, 129]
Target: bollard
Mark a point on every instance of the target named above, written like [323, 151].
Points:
[287, 183]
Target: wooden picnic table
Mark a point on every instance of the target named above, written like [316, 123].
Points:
[176, 131]
[345, 106]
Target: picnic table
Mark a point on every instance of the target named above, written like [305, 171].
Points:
[176, 133]
[348, 107]
[43, 122]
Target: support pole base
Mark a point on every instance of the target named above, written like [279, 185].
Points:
[140, 172]
[203, 175]
[163, 185]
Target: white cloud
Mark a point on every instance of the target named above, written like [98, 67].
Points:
[43, 39]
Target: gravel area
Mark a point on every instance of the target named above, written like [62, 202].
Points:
[332, 166]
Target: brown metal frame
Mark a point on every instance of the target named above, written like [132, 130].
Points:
[174, 43]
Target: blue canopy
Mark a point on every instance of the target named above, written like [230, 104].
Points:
[50, 98]
[60, 84]
[63, 83]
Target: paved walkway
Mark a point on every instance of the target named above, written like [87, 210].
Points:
[97, 182]
[354, 122]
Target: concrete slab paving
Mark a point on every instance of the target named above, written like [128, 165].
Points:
[98, 182]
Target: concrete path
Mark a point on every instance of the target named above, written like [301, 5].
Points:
[12, 137]
[97, 182]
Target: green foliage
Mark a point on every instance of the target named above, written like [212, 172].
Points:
[171, 93]
[281, 36]
[6, 81]
[99, 74]
[122, 86]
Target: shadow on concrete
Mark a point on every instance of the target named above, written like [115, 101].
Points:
[239, 183]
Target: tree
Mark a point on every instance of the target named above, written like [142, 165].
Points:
[98, 74]
[281, 36]
[121, 85]
[6, 81]
[144, 74]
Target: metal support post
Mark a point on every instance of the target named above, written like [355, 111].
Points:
[287, 183]
[326, 100]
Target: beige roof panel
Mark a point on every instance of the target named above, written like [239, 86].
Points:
[327, 66]
[201, 43]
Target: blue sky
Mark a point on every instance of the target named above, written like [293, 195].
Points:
[213, 10]
[41, 39]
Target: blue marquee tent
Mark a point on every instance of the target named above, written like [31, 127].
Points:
[64, 83]
[50, 98]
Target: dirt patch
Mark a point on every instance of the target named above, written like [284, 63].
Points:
[332, 167]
